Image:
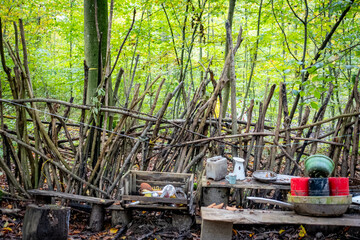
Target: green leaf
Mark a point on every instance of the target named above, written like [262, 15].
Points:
[314, 105]
[302, 93]
[317, 94]
[312, 69]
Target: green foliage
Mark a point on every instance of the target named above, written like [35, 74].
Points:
[54, 33]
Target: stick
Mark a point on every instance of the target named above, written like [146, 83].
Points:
[53, 162]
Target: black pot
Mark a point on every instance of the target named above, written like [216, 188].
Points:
[319, 187]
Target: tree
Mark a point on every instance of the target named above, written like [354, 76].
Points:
[95, 35]
[226, 91]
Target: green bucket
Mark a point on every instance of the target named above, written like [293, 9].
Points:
[318, 165]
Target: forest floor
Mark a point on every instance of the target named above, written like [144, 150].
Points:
[157, 225]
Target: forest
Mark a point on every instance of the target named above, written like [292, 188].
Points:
[93, 90]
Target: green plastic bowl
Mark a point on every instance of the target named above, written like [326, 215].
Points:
[319, 165]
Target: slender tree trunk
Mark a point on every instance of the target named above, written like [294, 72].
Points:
[226, 90]
[253, 60]
[92, 40]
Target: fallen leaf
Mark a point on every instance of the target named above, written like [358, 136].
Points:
[75, 232]
[220, 206]
[302, 232]
[231, 208]
[211, 205]
[113, 230]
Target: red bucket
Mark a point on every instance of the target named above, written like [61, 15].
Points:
[300, 186]
[339, 186]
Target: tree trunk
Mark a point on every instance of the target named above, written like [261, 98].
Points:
[46, 222]
[91, 39]
[226, 90]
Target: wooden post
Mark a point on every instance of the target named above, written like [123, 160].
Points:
[215, 195]
[182, 221]
[97, 218]
[119, 215]
[48, 222]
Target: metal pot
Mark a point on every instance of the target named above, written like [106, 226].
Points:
[318, 206]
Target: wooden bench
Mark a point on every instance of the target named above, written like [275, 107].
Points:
[218, 223]
[98, 204]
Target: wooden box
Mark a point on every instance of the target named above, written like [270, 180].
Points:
[131, 197]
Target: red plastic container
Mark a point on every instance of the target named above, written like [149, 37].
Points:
[339, 186]
[300, 186]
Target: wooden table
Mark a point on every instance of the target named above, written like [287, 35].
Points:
[218, 191]
[218, 223]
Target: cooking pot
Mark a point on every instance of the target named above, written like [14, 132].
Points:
[317, 206]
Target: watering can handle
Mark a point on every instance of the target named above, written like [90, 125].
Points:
[271, 201]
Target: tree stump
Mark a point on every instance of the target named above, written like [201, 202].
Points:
[97, 218]
[215, 195]
[119, 215]
[48, 222]
[182, 221]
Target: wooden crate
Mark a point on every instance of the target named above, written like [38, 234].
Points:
[130, 188]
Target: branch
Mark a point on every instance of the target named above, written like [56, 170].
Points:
[295, 12]
[282, 30]
[52, 162]
[122, 45]
[328, 37]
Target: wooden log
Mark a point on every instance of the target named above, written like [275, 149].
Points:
[120, 216]
[214, 230]
[74, 197]
[182, 221]
[215, 195]
[97, 218]
[48, 222]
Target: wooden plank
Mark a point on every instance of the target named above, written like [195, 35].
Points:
[156, 177]
[189, 193]
[74, 197]
[154, 199]
[130, 183]
[134, 184]
[161, 176]
[155, 207]
[250, 216]
[169, 174]
[249, 183]
[159, 183]
[126, 187]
